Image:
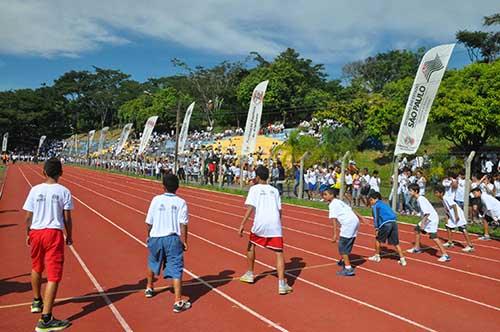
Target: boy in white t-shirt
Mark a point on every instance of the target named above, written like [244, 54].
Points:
[48, 212]
[265, 201]
[342, 214]
[167, 227]
[491, 211]
[428, 224]
[456, 218]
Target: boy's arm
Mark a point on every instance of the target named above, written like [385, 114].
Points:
[28, 219]
[68, 226]
[424, 221]
[455, 210]
[360, 217]
[334, 239]
[184, 236]
[245, 218]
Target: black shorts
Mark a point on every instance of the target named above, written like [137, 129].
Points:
[388, 232]
[365, 190]
[345, 245]
[431, 235]
[459, 228]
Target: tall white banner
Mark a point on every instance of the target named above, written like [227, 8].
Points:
[185, 127]
[123, 138]
[90, 140]
[424, 89]
[146, 135]
[102, 138]
[4, 142]
[253, 120]
[40, 143]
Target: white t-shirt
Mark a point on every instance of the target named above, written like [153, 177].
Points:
[491, 206]
[166, 214]
[427, 208]
[47, 202]
[452, 222]
[497, 188]
[374, 184]
[349, 222]
[267, 203]
[447, 187]
[488, 166]
[460, 191]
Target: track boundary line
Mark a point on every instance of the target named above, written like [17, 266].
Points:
[94, 281]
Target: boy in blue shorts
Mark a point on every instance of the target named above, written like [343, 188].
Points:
[348, 220]
[167, 225]
[386, 227]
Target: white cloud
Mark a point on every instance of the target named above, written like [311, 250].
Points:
[326, 30]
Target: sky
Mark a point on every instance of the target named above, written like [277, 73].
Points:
[42, 39]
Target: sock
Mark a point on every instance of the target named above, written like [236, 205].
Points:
[348, 267]
[282, 283]
[46, 317]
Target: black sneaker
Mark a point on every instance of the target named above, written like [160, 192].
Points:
[52, 325]
[182, 306]
[36, 306]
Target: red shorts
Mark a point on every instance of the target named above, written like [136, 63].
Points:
[273, 243]
[47, 251]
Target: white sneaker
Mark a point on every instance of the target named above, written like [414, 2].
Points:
[485, 238]
[414, 251]
[444, 258]
[283, 290]
[374, 258]
[247, 277]
[468, 249]
[448, 244]
[402, 261]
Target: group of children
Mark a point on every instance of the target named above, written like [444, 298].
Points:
[49, 208]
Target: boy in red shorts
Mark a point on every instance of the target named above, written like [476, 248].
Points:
[48, 211]
[265, 201]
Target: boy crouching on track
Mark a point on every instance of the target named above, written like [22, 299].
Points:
[341, 213]
[167, 224]
[266, 231]
[386, 227]
[48, 207]
[456, 218]
[428, 224]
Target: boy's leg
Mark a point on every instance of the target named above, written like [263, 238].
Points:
[250, 257]
[450, 236]
[177, 283]
[400, 251]
[149, 277]
[280, 265]
[347, 262]
[486, 228]
[417, 239]
[377, 247]
[467, 237]
[49, 297]
[36, 284]
[440, 246]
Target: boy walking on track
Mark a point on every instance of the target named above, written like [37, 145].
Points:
[341, 213]
[265, 201]
[167, 226]
[428, 224]
[491, 211]
[456, 218]
[386, 227]
[48, 212]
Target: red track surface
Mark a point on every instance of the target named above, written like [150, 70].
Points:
[109, 235]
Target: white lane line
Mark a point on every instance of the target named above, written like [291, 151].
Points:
[94, 281]
[193, 275]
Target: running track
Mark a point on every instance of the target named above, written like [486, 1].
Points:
[103, 284]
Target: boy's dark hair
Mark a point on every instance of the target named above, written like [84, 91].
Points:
[332, 191]
[53, 168]
[439, 188]
[375, 172]
[475, 189]
[414, 187]
[262, 172]
[375, 195]
[171, 183]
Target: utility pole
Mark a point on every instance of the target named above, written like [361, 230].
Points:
[177, 123]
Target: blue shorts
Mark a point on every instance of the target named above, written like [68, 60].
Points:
[166, 252]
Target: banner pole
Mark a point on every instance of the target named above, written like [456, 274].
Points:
[394, 190]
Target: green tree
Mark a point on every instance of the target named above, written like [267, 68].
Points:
[482, 45]
[375, 72]
[468, 105]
